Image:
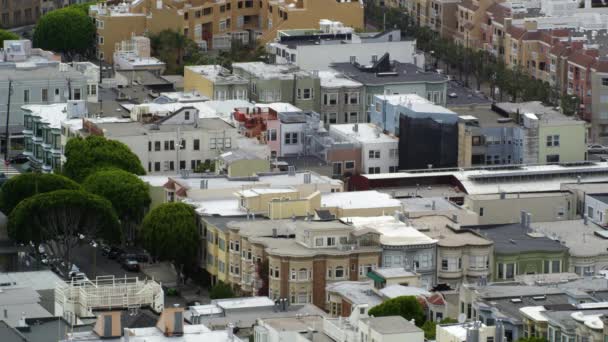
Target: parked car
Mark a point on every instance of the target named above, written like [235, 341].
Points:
[19, 159]
[115, 252]
[139, 257]
[131, 265]
[105, 249]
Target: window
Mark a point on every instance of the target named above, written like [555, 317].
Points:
[157, 166]
[478, 262]
[293, 274]
[77, 94]
[481, 211]
[373, 170]
[303, 274]
[305, 93]
[92, 89]
[393, 153]
[331, 241]
[354, 117]
[182, 164]
[451, 264]
[291, 138]
[186, 115]
[552, 266]
[351, 98]
[339, 272]
[373, 154]
[212, 143]
[333, 118]
[197, 145]
[26, 96]
[330, 99]
[423, 261]
[45, 95]
[553, 158]
[272, 135]
[319, 242]
[100, 40]
[552, 140]
[157, 146]
[349, 165]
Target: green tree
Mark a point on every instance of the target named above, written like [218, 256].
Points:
[128, 194]
[532, 339]
[407, 307]
[59, 218]
[175, 49]
[570, 104]
[207, 166]
[67, 30]
[169, 232]
[7, 35]
[430, 327]
[18, 188]
[87, 156]
[221, 291]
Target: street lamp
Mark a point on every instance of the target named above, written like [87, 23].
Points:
[94, 245]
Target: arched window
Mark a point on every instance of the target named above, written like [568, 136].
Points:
[303, 274]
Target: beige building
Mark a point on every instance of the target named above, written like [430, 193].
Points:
[19, 12]
[504, 208]
[215, 24]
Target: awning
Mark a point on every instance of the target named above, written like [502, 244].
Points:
[375, 277]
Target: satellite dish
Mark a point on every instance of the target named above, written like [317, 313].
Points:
[462, 318]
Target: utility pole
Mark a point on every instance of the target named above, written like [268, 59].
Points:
[8, 115]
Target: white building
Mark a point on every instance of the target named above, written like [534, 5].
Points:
[134, 54]
[474, 331]
[379, 151]
[335, 43]
[596, 208]
[91, 72]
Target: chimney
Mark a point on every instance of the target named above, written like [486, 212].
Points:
[108, 325]
[274, 233]
[528, 220]
[230, 331]
[522, 218]
[171, 322]
[503, 195]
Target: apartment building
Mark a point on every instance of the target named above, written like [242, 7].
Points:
[403, 246]
[215, 82]
[181, 140]
[42, 133]
[318, 49]
[280, 83]
[135, 54]
[17, 13]
[342, 99]
[36, 77]
[215, 25]
[302, 256]
[379, 151]
[382, 75]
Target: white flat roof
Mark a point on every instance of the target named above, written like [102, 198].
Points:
[201, 310]
[244, 302]
[415, 103]
[52, 114]
[392, 231]
[262, 191]
[534, 312]
[279, 107]
[393, 291]
[223, 207]
[458, 330]
[333, 79]
[359, 199]
[394, 272]
[37, 280]
[270, 71]
[366, 133]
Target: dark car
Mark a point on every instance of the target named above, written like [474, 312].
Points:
[131, 265]
[115, 252]
[19, 159]
[105, 250]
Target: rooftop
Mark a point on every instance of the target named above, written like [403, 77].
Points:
[600, 197]
[363, 133]
[414, 103]
[460, 96]
[402, 73]
[265, 71]
[546, 115]
[217, 74]
[51, 114]
[427, 204]
[514, 239]
[359, 200]
[243, 303]
[37, 280]
[394, 291]
[332, 79]
[393, 272]
[392, 231]
[447, 236]
[247, 318]
[391, 325]
[582, 240]
[356, 292]
[32, 72]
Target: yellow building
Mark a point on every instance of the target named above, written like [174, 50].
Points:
[215, 24]
[215, 82]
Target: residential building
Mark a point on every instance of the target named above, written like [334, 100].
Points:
[214, 25]
[428, 133]
[599, 102]
[345, 296]
[42, 133]
[17, 13]
[134, 54]
[505, 208]
[280, 83]
[359, 203]
[519, 250]
[584, 240]
[342, 99]
[463, 256]
[391, 276]
[379, 151]
[596, 206]
[403, 246]
[180, 140]
[289, 328]
[462, 332]
[317, 49]
[382, 75]
[49, 5]
[239, 163]
[415, 207]
[36, 77]
[91, 72]
[215, 82]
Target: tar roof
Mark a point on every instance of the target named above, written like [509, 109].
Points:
[579, 237]
[459, 96]
[391, 325]
[513, 239]
[404, 73]
[546, 115]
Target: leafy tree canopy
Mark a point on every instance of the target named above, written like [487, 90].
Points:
[128, 194]
[221, 291]
[68, 30]
[169, 232]
[532, 339]
[62, 216]
[7, 35]
[407, 307]
[430, 327]
[26, 185]
[87, 156]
